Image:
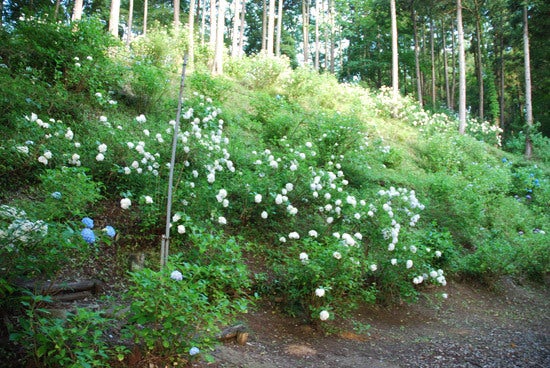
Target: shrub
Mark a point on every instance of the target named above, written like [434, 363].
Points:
[259, 72]
[78, 340]
[186, 303]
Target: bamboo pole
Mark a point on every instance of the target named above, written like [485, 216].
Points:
[165, 244]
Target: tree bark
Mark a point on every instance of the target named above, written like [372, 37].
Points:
[305, 29]
[130, 20]
[453, 72]
[432, 51]
[317, 21]
[331, 26]
[191, 53]
[213, 22]
[220, 28]
[279, 28]
[445, 65]
[177, 14]
[462, 71]
[417, 57]
[202, 7]
[77, 10]
[479, 42]
[264, 26]
[528, 101]
[114, 17]
[241, 38]
[145, 11]
[235, 31]
[271, 28]
[395, 51]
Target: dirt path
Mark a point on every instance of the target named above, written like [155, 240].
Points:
[509, 327]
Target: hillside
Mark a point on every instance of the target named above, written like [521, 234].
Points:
[289, 188]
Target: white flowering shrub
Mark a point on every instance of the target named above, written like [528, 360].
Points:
[30, 248]
[429, 123]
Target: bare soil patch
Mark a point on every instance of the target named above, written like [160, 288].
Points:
[475, 327]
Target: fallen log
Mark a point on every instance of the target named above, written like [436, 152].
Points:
[53, 288]
[72, 296]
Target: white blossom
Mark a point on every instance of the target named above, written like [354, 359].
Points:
[125, 203]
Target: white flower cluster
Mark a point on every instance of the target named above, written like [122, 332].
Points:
[20, 228]
[148, 160]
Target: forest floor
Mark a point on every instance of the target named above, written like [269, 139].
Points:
[507, 326]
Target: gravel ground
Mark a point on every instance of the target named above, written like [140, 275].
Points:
[509, 327]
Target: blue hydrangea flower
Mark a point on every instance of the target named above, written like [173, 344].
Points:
[110, 231]
[194, 351]
[56, 195]
[88, 235]
[504, 159]
[88, 222]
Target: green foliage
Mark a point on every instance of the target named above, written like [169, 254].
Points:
[321, 275]
[163, 47]
[208, 85]
[65, 193]
[259, 72]
[31, 248]
[293, 162]
[148, 84]
[75, 57]
[186, 303]
[541, 146]
[78, 340]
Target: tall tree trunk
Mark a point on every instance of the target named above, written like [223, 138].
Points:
[445, 65]
[177, 14]
[77, 10]
[453, 63]
[130, 20]
[417, 57]
[528, 101]
[317, 21]
[202, 31]
[241, 38]
[220, 28]
[271, 28]
[479, 52]
[145, 11]
[2, 12]
[213, 23]
[191, 53]
[462, 70]
[432, 51]
[55, 12]
[114, 17]
[235, 31]
[331, 26]
[264, 26]
[279, 28]
[394, 49]
[305, 29]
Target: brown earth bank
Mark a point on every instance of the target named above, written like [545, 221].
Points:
[507, 326]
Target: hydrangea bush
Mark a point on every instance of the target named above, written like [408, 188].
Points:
[181, 308]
